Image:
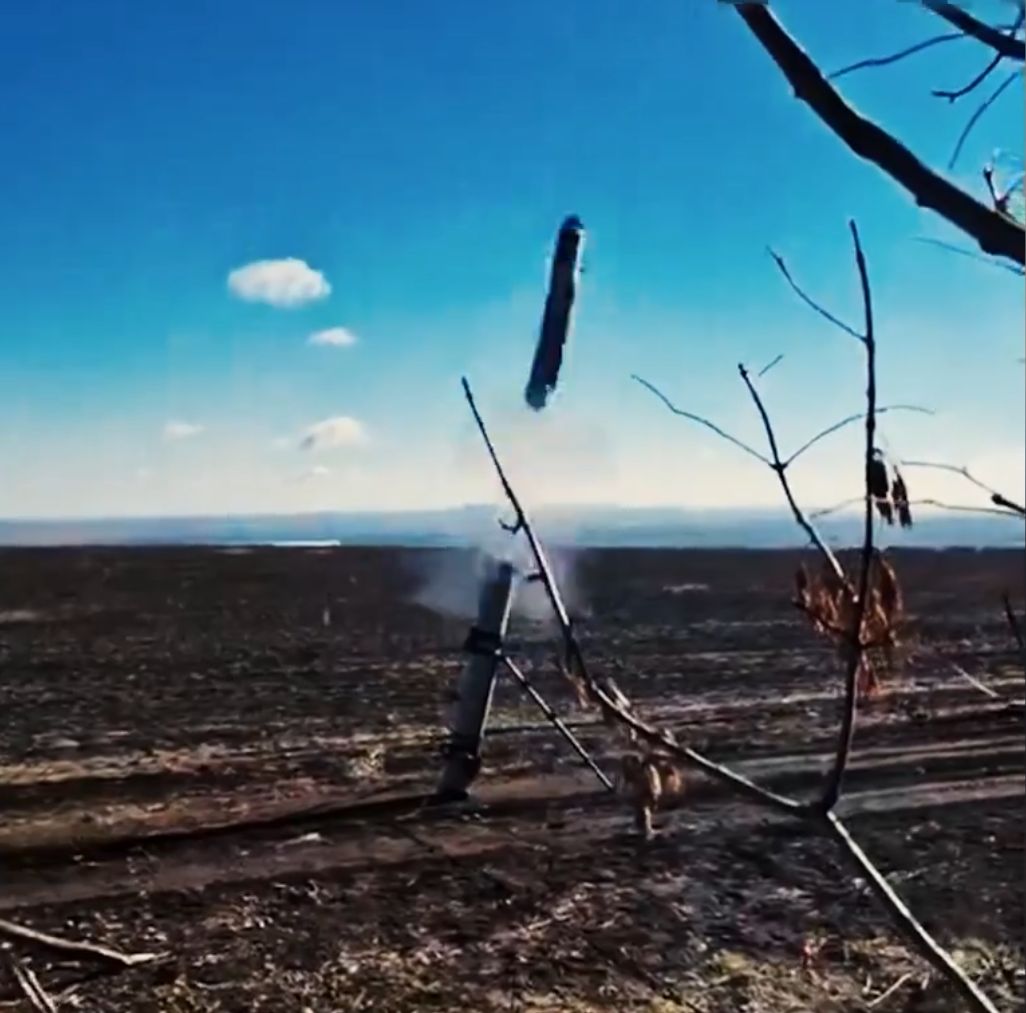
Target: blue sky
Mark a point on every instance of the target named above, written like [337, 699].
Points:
[417, 158]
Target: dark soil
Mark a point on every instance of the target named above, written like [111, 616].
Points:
[149, 697]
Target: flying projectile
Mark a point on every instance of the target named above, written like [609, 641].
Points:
[548, 354]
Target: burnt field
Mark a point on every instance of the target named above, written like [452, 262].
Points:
[184, 734]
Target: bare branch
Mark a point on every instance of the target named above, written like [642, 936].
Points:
[996, 497]
[954, 96]
[575, 659]
[701, 421]
[954, 507]
[975, 683]
[70, 948]
[832, 788]
[975, 118]
[995, 233]
[837, 322]
[951, 248]
[848, 420]
[883, 61]
[956, 15]
[1013, 625]
[769, 365]
[982, 76]
[37, 996]
[907, 922]
[556, 721]
[1003, 501]
[780, 469]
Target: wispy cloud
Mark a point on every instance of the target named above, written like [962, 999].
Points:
[328, 434]
[333, 337]
[177, 430]
[282, 283]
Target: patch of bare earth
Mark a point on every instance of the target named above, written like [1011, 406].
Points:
[149, 693]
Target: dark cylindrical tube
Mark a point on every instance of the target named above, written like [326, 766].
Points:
[477, 682]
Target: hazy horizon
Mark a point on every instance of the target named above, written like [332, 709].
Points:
[476, 526]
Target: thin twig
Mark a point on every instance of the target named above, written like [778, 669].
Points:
[1013, 625]
[1003, 501]
[73, 948]
[906, 921]
[952, 248]
[832, 787]
[975, 118]
[769, 365]
[837, 322]
[889, 991]
[576, 663]
[982, 76]
[38, 998]
[940, 505]
[960, 18]
[975, 683]
[996, 497]
[883, 61]
[778, 466]
[953, 96]
[848, 420]
[995, 233]
[556, 721]
[1013, 621]
[702, 421]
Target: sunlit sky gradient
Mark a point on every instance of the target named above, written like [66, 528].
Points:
[414, 161]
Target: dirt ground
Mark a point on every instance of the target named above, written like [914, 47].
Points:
[181, 732]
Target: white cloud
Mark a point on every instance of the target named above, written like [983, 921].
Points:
[181, 430]
[282, 283]
[340, 431]
[333, 337]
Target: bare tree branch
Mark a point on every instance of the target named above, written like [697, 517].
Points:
[975, 683]
[883, 61]
[982, 76]
[994, 233]
[940, 505]
[769, 365]
[70, 948]
[778, 466]
[848, 420]
[956, 15]
[575, 662]
[615, 710]
[832, 788]
[996, 497]
[702, 421]
[975, 118]
[951, 248]
[1003, 501]
[1013, 625]
[36, 996]
[954, 96]
[825, 313]
[937, 957]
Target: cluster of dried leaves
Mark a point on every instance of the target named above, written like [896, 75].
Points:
[647, 776]
[831, 603]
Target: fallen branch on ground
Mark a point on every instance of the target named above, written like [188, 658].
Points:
[72, 948]
[37, 996]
